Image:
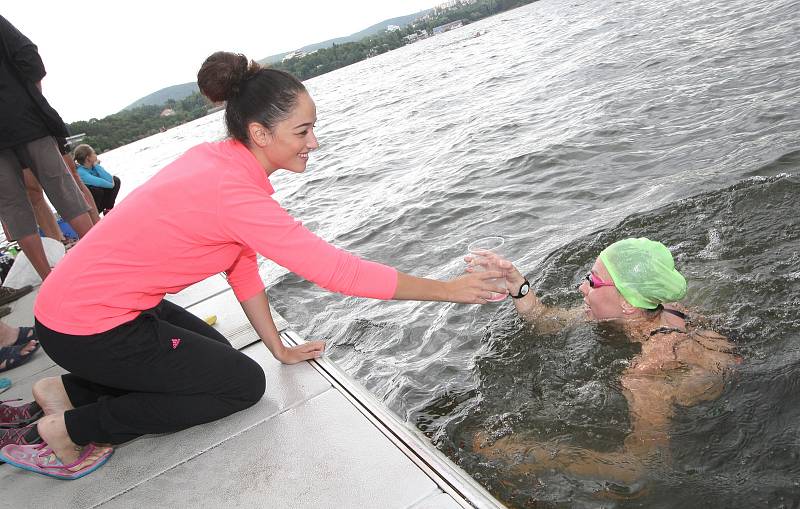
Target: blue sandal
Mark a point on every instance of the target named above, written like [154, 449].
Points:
[12, 356]
[24, 335]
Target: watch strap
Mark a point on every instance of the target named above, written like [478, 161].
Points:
[519, 294]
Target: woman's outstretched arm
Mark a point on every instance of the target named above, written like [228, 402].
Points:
[473, 288]
[251, 217]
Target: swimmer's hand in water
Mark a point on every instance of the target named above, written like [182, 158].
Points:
[300, 353]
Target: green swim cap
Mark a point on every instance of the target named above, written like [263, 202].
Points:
[644, 272]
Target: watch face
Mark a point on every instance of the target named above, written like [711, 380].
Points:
[523, 290]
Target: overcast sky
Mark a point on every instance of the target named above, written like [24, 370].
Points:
[101, 56]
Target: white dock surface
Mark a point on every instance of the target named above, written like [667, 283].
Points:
[309, 443]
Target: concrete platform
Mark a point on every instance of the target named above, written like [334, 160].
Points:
[315, 440]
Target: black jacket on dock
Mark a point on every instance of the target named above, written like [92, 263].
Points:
[25, 115]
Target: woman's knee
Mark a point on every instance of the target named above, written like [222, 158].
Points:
[252, 381]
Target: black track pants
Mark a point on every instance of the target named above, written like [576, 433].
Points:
[164, 371]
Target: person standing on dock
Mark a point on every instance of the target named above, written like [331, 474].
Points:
[139, 364]
[29, 127]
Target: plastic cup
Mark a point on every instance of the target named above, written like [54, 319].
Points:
[479, 251]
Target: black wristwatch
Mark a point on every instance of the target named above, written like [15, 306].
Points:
[524, 288]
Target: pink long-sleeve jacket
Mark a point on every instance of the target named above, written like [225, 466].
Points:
[209, 211]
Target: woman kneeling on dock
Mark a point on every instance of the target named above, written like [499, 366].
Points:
[139, 364]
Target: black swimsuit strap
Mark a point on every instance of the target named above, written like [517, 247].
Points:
[675, 312]
[666, 330]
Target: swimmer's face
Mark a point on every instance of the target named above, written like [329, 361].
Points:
[602, 302]
[289, 142]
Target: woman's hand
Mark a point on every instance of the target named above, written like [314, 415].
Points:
[475, 288]
[513, 278]
[300, 353]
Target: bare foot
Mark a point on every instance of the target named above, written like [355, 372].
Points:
[50, 394]
[54, 432]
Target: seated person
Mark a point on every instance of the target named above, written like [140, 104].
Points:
[629, 287]
[103, 186]
[66, 154]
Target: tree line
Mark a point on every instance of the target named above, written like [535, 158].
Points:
[341, 55]
[128, 126]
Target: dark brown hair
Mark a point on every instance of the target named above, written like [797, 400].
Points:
[253, 93]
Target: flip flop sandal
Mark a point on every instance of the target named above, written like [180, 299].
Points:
[41, 459]
[18, 416]
[5, 384]
[24, 335]
[13, 356]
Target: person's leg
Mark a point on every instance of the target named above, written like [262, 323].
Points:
[93, 214]
[176, 315]
[99, 197]
[32, 246]
[17, 213]
[81, 224]
[190, 379]
[49, 168]
[41, 210]
[111, 194]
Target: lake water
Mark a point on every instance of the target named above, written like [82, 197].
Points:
[563, 126]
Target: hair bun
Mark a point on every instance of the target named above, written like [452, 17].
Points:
[223, 73]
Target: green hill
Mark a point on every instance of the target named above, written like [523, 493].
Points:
[178, 92]
[144, 117]
[175, 92]
[374, 29]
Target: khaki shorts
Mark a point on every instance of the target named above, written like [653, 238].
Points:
[44, 159]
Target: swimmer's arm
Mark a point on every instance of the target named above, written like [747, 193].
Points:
[530, 457]
[650, 403]
[531, 309]
[257, 310]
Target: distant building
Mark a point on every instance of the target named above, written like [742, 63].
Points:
[445, 6]
[448, 5]
[167, 112]
[294, 54]
[416, 36]
[392, 28]
[447, 27]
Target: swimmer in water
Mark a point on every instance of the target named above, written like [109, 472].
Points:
[633, 285]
